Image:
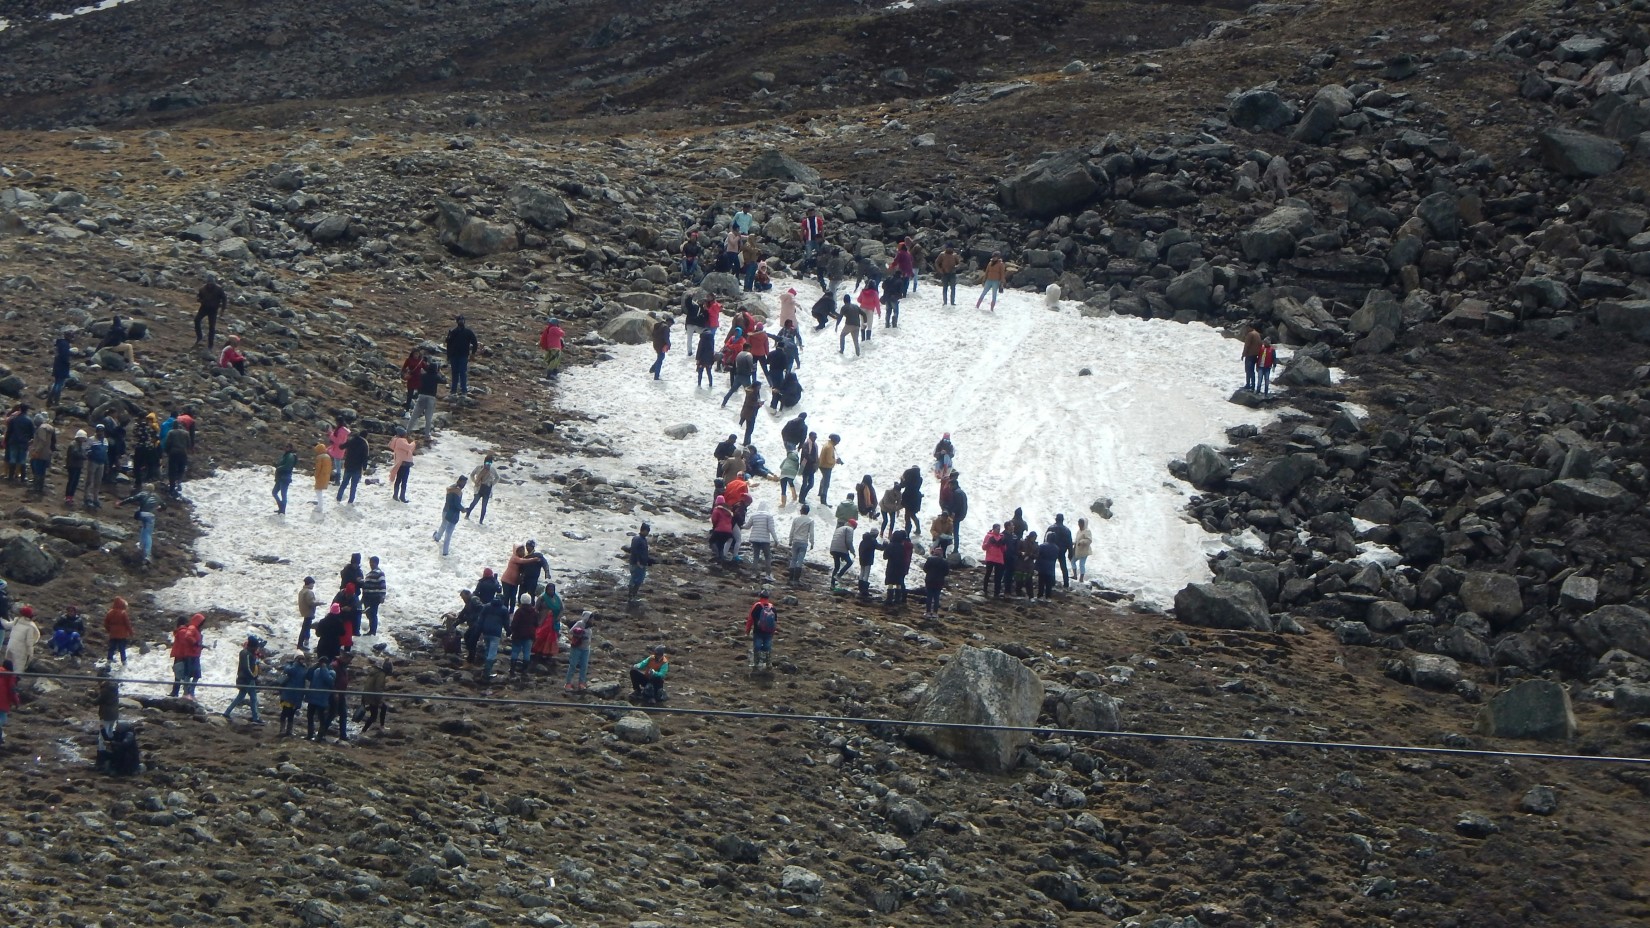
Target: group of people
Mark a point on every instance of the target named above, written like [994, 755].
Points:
[1018, 564]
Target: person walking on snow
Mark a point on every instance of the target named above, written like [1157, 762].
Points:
[871, 304]
[810, 462]
[788, 471]
[247, 668]
[851, 319]
[893, 290]
[946, 264]
[356, 456]
[749, 408]
[283, 477]
[944, 454]
[323, 475]
[760, 624]
[743, 375]
[461, 346]
[762, 532]
[337, 438]
[1080, 550]
[485, 477]
[402, 450]
[374, 590]
[661, 344]
[553, 341]
[187, 644]
[996, 277]
[827, 463]
[704, 359]
[451, 507]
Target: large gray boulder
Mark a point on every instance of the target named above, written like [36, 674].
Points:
[1629, 316]
[722, 284]
[539, 207]
[1574, 153]
[1206, 468]
[1058, 184]
[979, 686]
[1193, 291]
[1277, 478]
[1535, 709]
[1272, 237]
[1304, 371]
[1588, 494]
[1261, 110]
[1615, 627]
[1320, 120]
[633, 327]
[1088, 710]
[1494, 596]
[471, 236]
[1223, 605]
[24, 560]
[777, 165]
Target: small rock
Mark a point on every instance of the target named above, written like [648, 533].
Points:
[1540, 800]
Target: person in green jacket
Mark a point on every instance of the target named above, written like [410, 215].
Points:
[647, 676]
[283, 477]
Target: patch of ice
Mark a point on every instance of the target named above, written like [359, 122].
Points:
[1380, 555]
[98, 7]
[1363, 525]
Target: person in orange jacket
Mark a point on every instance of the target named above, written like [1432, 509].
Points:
[187, 644]
[996, 278]
[117, 622]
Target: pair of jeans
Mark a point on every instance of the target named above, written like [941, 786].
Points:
[247, 695]
[93, 493]
[146, 533]
[578, 664]
[750, 277]
[842, 341]
[658, 365]
[807, 482]
[840, 565]
[799, 554]
[176, 463]
[280, 491]
[484, 495]
[489, 653]
[461, 375]
[1249, 367]
[371, 608]
[210, 317]
[425, 409]
[762, 555]
[39, 468]
[931, 599]
[521, 650]
[736, 382]
[401, 475]
[117, 646]
[761, 644]
[351, 481]
[444, 534]
[824, 482]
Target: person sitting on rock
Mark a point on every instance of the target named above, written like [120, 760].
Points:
[115, 340]
[67, 633]
[647, 676]
[231, 355]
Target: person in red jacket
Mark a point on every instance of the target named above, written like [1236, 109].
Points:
[8, 695]
[721, 530]
[760, 624]
[758, 346]
[118, 623]
[412, 371]
[231, 355]
[187, 644]
[551, 342]
[996, 546]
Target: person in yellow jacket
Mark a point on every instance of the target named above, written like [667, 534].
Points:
[827, 462]
[323, 474]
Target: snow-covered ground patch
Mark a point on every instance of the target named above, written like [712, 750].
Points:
[1030, 430]
[98, 7]
[259, 558]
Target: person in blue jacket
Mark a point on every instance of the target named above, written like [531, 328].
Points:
[294, 679]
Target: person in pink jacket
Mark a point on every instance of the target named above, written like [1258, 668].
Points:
[871, 302]
[335, 449]
[994, 544]
[402, 449]
[787, 307]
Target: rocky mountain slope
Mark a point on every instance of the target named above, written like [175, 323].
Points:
[1463, 237]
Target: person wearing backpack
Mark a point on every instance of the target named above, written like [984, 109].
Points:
[578, 653]
[319, 698]
[760, 624]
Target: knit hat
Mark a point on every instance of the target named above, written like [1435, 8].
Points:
[26, 612]
[80, 433]
[335, 610]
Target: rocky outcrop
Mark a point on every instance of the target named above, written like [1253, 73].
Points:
[979, 686]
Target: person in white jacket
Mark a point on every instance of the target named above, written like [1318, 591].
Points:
[22, 636]
[759, 523]
[802, 538]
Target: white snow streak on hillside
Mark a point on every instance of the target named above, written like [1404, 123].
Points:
[1029, 431]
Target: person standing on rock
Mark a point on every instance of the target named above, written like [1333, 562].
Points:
[148, 504]
[493, 622]
[19, 433]
[329, 632]
[533, 566]
[761, 622]
[996, 278]
[898, 559]
[1080, 550]
[9, 700]
[451, 507]
[283, 477]
[1251, 355]
[485, 478]
[22, 638]
[691, 250]
[211, 298]
[578, 653]
[412, 371]
[812, 234]
[402, 450]
[637, 556]
[1267, 360]
[661, 344]
[553, 342]
[97, 458]
[429, 387]
[62, 356]
[868, 548]
[547, 637]
[750, 258]
[1048, 554]
[117, 624]
[145, 451]
[801, 539]
[356, 456]
[42, 448]
[1059, 535]
[294, 680]
[461, 346]
[187, 644]
[176, 445]
[524, 627]
[249, 664]
[323, 475]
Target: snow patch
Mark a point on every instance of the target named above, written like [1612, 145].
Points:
[98, 7]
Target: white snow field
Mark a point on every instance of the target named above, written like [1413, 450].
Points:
[1029, 431]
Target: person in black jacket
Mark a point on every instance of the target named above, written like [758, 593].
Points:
[356, 454]
[704, 359]
[795, 431]
[1059, 535]
[639, 559]
[893, 290]
[911, 497]
[824, 311]
[461, 344]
